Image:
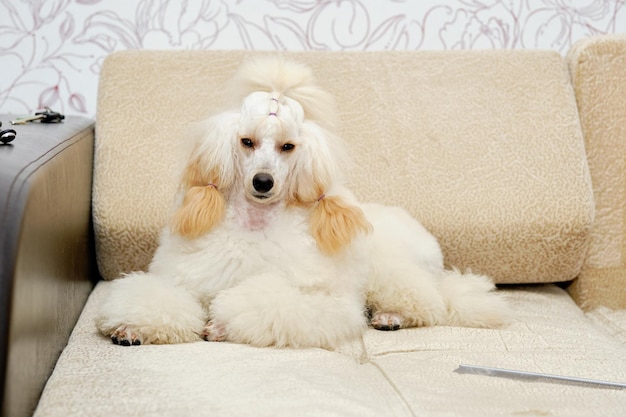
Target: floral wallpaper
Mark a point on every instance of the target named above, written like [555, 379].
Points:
[51, 50]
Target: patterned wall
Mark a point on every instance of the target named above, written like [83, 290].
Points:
[52, 50]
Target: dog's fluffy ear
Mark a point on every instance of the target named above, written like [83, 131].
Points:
[317, 164]
[208, 173]
[334, 223]
[201, 209]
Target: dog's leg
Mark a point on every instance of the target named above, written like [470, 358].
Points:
[387, 321]
[214, 331]
[405, 296]
[126, 336]
[409, 286]
[267, 310]
[143, 309]
[406, 260]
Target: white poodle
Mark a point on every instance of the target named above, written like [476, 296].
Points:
[267, 247]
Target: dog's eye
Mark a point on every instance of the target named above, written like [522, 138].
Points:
[247, 142]
[287, 147]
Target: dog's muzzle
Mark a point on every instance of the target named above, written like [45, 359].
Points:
[262, 184]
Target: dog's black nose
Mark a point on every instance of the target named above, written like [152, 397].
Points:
[262, 182]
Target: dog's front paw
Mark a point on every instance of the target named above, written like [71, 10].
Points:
[214, 331]
[127, 336]
[387, 321]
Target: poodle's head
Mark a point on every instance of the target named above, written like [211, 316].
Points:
[276, 149]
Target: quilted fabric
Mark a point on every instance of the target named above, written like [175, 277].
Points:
[484, 148]
[404, 373]
[598, 68]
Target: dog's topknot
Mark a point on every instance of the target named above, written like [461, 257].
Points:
[274, 74]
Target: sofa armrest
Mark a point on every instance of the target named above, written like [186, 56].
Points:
[598, 71]
[45, 249]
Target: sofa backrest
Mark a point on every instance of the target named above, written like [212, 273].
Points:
[483, 147]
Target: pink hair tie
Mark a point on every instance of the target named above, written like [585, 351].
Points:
[212, 185]
[273, 113]
[320, 198]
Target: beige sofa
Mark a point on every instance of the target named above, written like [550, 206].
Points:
[513, 159]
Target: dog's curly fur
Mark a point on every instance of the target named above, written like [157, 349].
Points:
[267, 247]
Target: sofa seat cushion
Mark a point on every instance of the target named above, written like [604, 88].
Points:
[483, 147]
[613, 321]
[404, 373]
[550, 335]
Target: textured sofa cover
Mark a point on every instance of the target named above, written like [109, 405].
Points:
[486, 148]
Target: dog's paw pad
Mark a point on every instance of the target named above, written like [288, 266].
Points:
[124, 336]
[214, 331]
[387, 321]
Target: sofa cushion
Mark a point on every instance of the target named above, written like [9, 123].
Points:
[613, 321]
[483, 147]
[405, 373]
